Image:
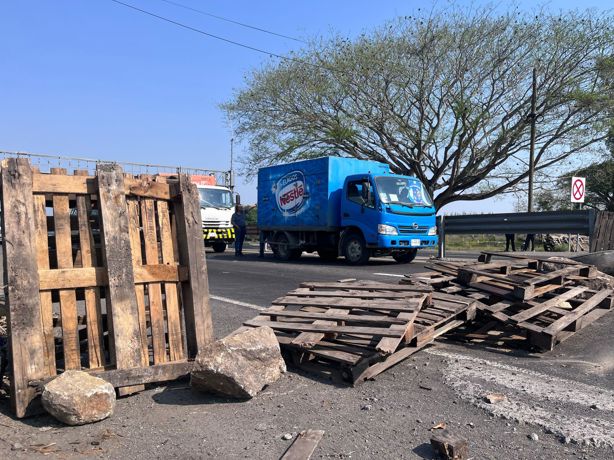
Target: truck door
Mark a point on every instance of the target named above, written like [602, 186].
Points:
[358, 208]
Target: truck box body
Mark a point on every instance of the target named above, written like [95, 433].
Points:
[306, 195]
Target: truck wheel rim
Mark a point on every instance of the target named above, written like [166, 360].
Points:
[354, 250]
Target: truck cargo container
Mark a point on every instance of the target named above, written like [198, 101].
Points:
[342, 206]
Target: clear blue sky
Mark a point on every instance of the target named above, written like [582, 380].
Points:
[93, 78]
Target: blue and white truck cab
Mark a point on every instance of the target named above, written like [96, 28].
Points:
[342, 206]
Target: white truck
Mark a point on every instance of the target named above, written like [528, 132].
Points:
[216, 209]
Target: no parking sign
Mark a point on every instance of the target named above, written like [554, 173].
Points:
[578, 189]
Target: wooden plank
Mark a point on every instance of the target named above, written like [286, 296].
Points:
[27, 340]
[42, 259]
[578, 312]
[553, 275]
[353, 294]
[450, 446]
[333, 329]
[175, 337]
[154, 290]
[542, 307]
[389, 345]
[309, 339]
[134, 224]
[304, 445]
[86, 185]
[371, 286]
[344, 316]
[123, 309]
[388, 305]
[95, 337]
[195, 294]
[68, 298]
[74, 278]
[533, 257]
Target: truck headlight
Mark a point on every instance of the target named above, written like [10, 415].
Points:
[384, 229]
[432, 231]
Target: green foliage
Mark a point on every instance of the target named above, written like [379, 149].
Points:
[444, 96]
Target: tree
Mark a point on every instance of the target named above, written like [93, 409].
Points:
[445, 97]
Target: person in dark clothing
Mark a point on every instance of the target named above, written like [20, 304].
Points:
[530, 239]
[238, 222]
[509, 238]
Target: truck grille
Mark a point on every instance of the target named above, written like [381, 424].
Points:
[410, 230]
[216, 224]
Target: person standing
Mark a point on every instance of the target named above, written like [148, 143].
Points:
[238, 222]
[509, 238]
[530, 239]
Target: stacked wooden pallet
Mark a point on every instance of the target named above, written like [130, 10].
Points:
[355, 330]
[546, 307]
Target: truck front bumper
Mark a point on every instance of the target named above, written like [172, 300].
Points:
[406, 241]
[214, 235]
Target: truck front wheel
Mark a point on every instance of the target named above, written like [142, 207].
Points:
[355, 250]
[219, 247]
[405, 257]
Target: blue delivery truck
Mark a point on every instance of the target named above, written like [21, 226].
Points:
[344, 207]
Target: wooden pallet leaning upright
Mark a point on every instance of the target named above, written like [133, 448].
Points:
[101, 285]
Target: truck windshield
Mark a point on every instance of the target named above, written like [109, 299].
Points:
[404, 191]
[215, 198]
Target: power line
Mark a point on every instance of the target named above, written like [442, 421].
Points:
[170, 2]
[217, 37]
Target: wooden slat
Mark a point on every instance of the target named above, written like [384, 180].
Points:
[195, 294]
[578, 312]
[542, 307]
[156, 311]
[134, 224]
[74, 278]
[324, 329]
[344, 316]
[124, 312]
[389, 345]
[389, 305]
[175, 338]
[42, 256]
[27, 339]
[372, 286]
[309, 339]
[552, 275]
[304, 445]
[95, 338]
[87, 185]
[68, 298]
[304, 292]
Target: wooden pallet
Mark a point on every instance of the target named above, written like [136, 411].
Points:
[113, 264]
[355, 330]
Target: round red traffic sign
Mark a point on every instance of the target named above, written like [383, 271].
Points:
[578, 189]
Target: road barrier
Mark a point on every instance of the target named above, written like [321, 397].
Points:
[575, 222]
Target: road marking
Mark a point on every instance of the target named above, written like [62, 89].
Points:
[390, 274]
[567, 408]
[237, 302]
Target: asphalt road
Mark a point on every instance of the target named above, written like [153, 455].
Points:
[565, 397]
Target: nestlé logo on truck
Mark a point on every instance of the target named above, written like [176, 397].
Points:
[290, 192]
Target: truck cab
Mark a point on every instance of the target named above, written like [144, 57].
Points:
[216, 208]
[385, 214]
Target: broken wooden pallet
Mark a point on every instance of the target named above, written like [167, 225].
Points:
[357, 329]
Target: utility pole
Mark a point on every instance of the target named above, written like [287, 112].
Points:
[232, 179]
[532, 147]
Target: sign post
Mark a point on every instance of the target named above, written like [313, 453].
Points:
[578, 189]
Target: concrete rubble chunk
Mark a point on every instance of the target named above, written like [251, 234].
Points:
[239, 366]
[77, 398]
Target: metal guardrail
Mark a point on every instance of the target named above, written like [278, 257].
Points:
[576, 222]
[44, 162]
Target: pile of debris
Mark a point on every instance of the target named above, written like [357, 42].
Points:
[531, 299]
[353, 330]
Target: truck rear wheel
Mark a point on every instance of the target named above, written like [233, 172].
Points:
[328, 254]
[219, 247]
[405, 257]
[355, 250]
[282, 250]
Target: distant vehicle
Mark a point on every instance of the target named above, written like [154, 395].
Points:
[342, 206]
[216, 209]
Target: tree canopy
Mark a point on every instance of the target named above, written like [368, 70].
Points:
[445, 97]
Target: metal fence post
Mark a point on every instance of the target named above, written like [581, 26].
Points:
[441, 246]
